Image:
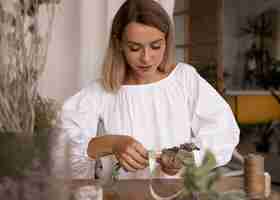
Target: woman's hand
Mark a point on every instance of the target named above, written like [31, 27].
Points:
[130, 153]
[169, 162]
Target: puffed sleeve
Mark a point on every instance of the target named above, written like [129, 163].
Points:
[79, 122]
[212, 121]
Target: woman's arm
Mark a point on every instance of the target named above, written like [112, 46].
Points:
[101, 146]
[79, 120]
[213, 123]
[129, 152]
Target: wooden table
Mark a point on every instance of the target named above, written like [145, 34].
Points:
[139, 189]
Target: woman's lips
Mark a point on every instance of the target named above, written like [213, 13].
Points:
[144, 67]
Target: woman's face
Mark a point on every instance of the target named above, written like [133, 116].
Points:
[143, 48]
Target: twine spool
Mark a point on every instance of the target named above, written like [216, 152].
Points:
[254, 176]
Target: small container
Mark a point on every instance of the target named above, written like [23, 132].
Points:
[89, 192]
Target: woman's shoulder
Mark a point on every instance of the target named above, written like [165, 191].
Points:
[185, 68]
[95, 87]
[91, 94]
[185, 72]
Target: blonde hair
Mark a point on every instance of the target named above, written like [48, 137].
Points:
[147, 12]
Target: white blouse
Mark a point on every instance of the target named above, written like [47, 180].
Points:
[180, 108]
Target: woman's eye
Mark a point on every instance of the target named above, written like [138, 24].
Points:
[155, 47]
[134, 48]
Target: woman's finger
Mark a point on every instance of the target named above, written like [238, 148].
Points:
[169, 166]
[170, 172]
[132, 162]
[141, 150]
[137, 157]
[170, 161]
[126, 166]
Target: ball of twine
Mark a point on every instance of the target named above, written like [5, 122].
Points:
[254, 176]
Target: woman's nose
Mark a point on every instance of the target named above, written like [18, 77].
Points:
[146, 55]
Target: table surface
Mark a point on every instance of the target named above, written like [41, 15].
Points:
[139, 189]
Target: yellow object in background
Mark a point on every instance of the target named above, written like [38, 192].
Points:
[253, 107]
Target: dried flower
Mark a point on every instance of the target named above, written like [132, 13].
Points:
[23, 50]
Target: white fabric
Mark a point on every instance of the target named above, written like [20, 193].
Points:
[159, 115]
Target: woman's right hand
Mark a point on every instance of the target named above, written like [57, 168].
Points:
[130, 153]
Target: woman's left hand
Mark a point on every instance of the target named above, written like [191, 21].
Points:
[169, 163]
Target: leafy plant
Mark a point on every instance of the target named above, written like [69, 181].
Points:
[209, 72]
[260, 25]
[199, 180]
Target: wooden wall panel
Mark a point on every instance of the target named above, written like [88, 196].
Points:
[205, 35]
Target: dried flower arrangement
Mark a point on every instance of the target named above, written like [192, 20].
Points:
[26, 118]
[23, 51]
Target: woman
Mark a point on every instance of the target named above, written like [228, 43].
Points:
[144, 101]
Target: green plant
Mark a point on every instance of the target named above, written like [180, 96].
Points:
[209, 72]
[199, 180]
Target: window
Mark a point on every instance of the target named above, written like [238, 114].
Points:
[198, 25]
[181, 20]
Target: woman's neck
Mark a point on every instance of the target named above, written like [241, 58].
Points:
[133, 79]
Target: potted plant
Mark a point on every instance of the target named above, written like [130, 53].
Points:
[199, 181]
